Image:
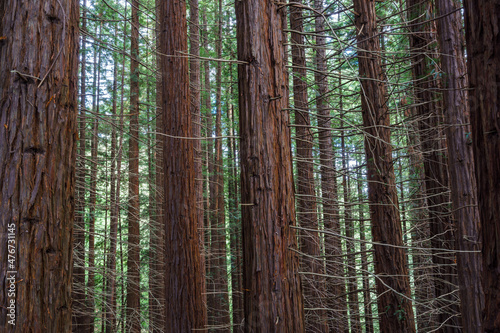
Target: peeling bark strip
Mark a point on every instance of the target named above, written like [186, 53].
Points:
[184, 310]
[271, 284]
[393, 286]
[38, 135]
[483, 41]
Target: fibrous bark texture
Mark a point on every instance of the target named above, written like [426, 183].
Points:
[271, 284]
[184, 310]
[393, 286]
[482, 22]
[461, 164]
[307, 217]
[38, 135]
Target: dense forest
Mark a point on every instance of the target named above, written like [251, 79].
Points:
[250, 166]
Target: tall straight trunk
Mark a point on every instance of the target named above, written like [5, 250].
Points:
[368, 314]
[313, 284]
[218, 295]
[272, 286]
[481, 26]
[111, 292]
[393, 285]
[210, 182]
[183, 275]
[79, 307]
[460, 164]
[157, 258]
[195, 84]
[235, 226]
[436, 175]
[352, 285]
[38, 144]
[333, 247]
[133, 261]
[420, 235]
[93, 188]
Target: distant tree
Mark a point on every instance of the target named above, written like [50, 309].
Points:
[307, 218]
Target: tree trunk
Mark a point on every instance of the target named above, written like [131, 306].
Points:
[183, 275]
[331, 221]
[218, 295]
[393, 285]
[133, 214]
[436, 175]
[481, 18]
[364, 259]
[157, 258]
[38, 136]
[460, 164]
[79, 307]
[272, 287]
[195, 83]
[313, 284]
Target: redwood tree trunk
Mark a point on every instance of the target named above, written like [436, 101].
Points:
[461, 166]
[428, 109]
[183, 275]
[133, 261]
[393, 285]
[307, 217]
[337, 319]
[483, 41]
[272, 287]
[38, 135]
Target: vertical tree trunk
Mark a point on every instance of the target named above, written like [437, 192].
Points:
[218, 296]
[418, 219]
[133, 214]
[235, 227]
[393, 285]
[482, 19]
[195, 83]
[461, 165]
[93, 188]
[183, 276]
[157, 257]
[313, 284]
[436, 175]
[38, 136]
[79, 306]
[364, 259]
[272, 287]
[333, 248]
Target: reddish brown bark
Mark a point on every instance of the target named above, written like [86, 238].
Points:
[461, 165]
[195, 84]
[183, 276]
[218, 302]
[333, 248]
[433, 146]
[483, 41]
[307, 218]
[272, 287]
[38, 136]
[133, 260]
[393, 286]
